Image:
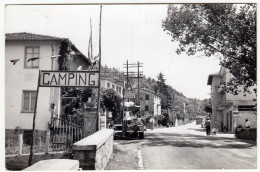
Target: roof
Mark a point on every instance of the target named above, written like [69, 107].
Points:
[24, 36]
[114, 80]
[147, 90]
[210, 78]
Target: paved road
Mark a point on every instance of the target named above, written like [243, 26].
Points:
[185, 147]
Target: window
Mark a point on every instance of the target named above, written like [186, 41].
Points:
[246, 108]
[32, 53]
[146, 97]
[108, 85]
[29, 99]
[119, 90]
[146, 108]
[113, 86]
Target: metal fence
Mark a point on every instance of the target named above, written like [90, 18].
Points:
[64, 134]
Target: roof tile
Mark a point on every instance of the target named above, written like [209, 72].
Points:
[24, 36]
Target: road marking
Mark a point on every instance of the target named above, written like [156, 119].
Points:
[140, 159]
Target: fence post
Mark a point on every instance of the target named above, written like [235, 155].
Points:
[20, 142]
[47, 142]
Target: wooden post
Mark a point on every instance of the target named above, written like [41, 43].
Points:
[98, 103]
[34, 116]
[138, 99]
[47, 141]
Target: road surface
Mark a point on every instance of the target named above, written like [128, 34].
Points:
[184, 147]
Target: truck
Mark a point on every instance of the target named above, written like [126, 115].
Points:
[199, 121]
[132, 131]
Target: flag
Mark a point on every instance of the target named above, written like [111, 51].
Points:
[90, 56]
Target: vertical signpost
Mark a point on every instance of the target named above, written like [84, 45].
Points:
[98, 103]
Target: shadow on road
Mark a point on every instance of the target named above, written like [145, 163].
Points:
[195, 141]
[200, 130]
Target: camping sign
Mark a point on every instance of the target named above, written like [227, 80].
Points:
[69, 79]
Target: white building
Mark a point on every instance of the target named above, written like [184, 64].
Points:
[25, 55]
[150, 103]
[230, 110]
[111, 83]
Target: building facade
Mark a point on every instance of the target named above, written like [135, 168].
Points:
[111, 83]
[25, 55]
[228, 110]
[150, 103]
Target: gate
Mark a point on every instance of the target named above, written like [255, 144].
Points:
[64, 134]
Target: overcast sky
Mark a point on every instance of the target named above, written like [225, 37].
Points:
[129, 32]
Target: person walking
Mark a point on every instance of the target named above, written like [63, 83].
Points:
[208, 124]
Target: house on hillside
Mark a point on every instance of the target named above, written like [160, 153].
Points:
[228, 110]
[25, 55]
[150, 103]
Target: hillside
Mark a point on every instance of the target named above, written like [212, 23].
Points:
[179, 103]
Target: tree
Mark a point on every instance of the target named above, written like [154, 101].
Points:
[163, 89]
[73, 100]
[224, 30]
[63, 59]
[111, 101]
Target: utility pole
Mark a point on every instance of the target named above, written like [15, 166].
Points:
[138, 66]
[132, 74]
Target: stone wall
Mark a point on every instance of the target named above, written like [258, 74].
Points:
[103, 154]
[17, 141]
[94, 151]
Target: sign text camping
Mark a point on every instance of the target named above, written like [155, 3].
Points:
[69, 79]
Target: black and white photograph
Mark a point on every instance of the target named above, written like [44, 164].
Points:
[129, 86]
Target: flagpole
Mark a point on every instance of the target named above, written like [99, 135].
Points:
[98, 103]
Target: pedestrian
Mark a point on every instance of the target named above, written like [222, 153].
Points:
[207, 124]
[152, 123]
[247, 124]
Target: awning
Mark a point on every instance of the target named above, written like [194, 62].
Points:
[131, 106]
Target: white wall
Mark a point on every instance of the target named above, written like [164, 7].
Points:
[104, 82]
[17, 79]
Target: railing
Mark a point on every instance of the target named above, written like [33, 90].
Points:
[64, 134]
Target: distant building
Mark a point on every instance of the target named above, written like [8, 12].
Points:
[25, 55]
[107, 82]
[111, 83]
[150, 103]
[230, 110]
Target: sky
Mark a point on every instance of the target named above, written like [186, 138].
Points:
[129, 32]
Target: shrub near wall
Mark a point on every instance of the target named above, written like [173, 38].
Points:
[247, 133]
